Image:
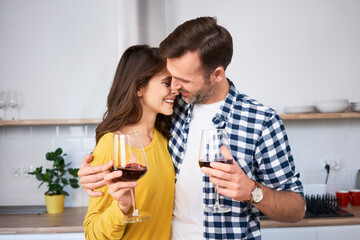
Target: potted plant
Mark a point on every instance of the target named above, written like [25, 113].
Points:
[56, 180]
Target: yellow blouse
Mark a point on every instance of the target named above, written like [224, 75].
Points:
[154, 194]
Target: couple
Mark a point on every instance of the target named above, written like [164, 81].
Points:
[190, 62]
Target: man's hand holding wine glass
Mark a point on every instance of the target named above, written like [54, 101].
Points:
[230, 178]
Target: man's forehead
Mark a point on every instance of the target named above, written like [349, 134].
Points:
[187, 67]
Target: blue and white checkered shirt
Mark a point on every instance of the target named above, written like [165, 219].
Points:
[259, 144]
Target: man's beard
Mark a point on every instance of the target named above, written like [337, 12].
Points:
[203, 94]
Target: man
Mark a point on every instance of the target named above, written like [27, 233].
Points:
[263, 175]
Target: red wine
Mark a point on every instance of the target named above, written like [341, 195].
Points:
[206, 163]
[131, 172]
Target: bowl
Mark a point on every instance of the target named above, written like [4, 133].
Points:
[332, 106]
[299, 109]
[355, 106]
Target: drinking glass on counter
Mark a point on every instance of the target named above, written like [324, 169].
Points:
[12, 103]
[211, 142]
[129, 156]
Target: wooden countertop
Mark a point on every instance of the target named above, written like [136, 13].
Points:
[308, 222]
[71, 221]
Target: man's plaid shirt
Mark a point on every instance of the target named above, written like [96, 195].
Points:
[260, 146]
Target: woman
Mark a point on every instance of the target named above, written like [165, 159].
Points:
[140, 99]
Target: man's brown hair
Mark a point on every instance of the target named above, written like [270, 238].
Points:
[202, 34]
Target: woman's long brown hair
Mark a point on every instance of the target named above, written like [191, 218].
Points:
[137, 66]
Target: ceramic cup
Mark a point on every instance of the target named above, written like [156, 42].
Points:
[343, 198]
[354, 196]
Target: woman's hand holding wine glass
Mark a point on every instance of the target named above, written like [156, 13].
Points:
[130, 160]
[119, 190]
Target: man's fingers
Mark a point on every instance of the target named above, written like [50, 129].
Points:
[89, 170]
[92, 193]
[217, 173]
[86, 160]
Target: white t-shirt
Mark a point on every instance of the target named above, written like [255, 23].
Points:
[188, 214]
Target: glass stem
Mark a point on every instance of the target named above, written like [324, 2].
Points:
[135, 211]
[217, 196]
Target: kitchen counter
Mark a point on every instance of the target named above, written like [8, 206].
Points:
[310, 222]
[71, 221]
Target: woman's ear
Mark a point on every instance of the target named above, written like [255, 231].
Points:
[140, 92]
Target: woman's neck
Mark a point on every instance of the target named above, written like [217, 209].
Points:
[145, 127]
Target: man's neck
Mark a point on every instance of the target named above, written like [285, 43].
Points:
[221, 91]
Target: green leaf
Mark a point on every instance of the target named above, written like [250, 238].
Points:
[74, 183]
[40, 177]
[73, 172]
[58, 151]
[50, 156]
[64, 181]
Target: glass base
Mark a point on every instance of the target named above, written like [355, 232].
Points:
[217, 209]
[142, 216]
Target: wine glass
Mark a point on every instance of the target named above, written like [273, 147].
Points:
[2, 104]
[211, 142]
[129, 156]
[12, 103]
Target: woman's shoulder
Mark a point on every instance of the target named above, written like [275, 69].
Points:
[103, 149]
[105, 139]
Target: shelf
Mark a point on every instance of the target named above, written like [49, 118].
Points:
[309, 116]
[303, 116]
[36, 122]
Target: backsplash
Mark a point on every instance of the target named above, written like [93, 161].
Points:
[312, 142]
[22, 147]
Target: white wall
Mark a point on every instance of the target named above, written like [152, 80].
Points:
[286, 52]
[61, 55]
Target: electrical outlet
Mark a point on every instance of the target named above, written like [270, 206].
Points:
[26, 170]
[16, 172]
[334, 163]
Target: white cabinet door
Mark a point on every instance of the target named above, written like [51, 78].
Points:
[338, 232]
[293, 233]
[57, 236]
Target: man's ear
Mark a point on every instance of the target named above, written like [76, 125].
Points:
[218, 73]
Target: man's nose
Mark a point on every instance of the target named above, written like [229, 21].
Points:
[175, 86]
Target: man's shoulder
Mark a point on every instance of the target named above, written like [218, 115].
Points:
[245, 105]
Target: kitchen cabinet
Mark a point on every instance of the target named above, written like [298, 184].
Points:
[312, 233]
[293, 233]
[338, 232]
[57, 236]
[305, 116]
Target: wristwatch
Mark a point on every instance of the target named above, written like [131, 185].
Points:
[258, 194]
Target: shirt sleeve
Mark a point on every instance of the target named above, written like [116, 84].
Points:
[274, 165]
[104, 217]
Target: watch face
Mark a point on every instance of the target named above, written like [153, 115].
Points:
[257, 195]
